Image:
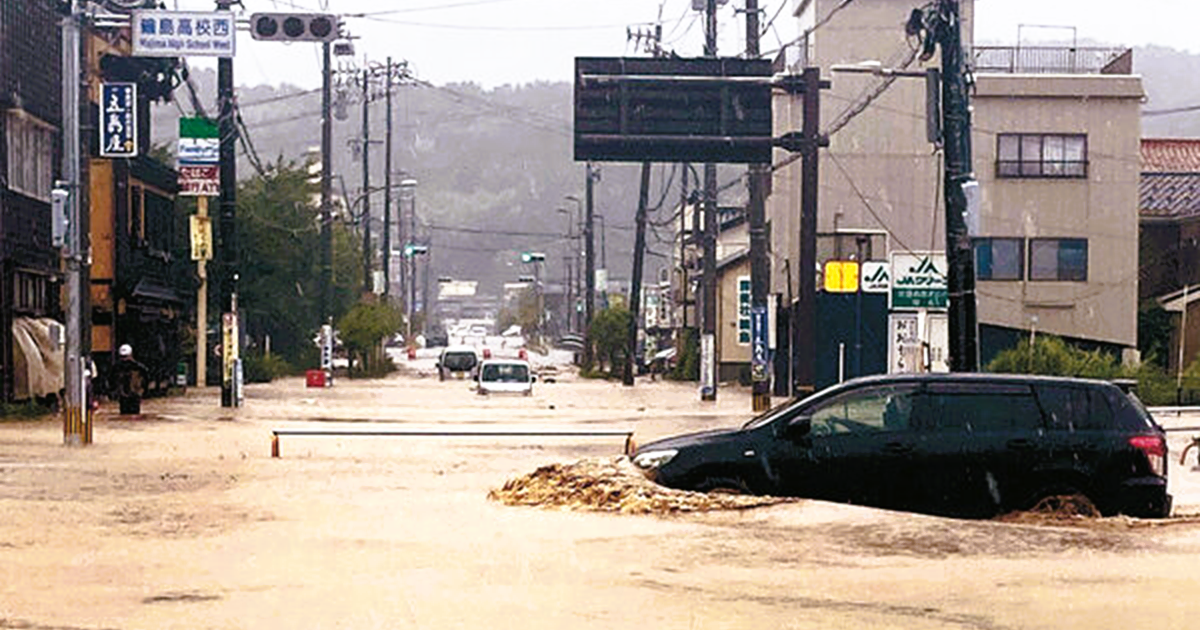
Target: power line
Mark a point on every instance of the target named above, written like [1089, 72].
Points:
[456, 5]
[1147, 113]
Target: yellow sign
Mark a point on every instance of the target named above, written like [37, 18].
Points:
[841, 276]
[201, 233]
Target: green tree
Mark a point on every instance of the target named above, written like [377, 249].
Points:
[363, 329]
[610, 338]
[526, 313]
[279, 263]
[1154, 332]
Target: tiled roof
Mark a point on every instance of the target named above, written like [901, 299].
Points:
[1171, 155]
[1169, 195]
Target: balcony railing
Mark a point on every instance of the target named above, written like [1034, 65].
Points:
[1051, 60]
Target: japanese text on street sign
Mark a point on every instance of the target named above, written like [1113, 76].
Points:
[918, 281]
[201, 234]
[177, 33]
[758, 347]
[118, 120]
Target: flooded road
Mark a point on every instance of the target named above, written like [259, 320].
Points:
[181, 519]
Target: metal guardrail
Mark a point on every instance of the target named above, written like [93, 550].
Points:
[276, 433]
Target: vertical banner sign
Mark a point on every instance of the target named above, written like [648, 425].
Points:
[201, 233]
[199, 158]
[229, 347]
[118, 120]
[327, 351]
[759, 356]
[708, 363]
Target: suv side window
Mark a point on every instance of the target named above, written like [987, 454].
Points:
[983, 407]
[1071, 408]
[871, 410]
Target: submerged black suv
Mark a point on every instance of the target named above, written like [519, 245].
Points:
[972, 445]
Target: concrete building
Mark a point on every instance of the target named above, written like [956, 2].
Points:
[1055, 149]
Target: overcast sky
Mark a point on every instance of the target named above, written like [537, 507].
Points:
[495, 42]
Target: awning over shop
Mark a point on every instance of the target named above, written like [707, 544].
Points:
[37, 357]
[150, 289]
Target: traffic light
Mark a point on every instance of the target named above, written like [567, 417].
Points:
[530, 257]
[294, 27]
[411, 250]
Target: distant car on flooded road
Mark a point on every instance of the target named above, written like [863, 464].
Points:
[457, 362]
[505, 376]
[972, 445]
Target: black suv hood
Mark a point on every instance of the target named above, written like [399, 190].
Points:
[700, 438]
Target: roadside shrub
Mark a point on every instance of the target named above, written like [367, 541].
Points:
[687, 364]
[363, 329]
[28, 410]
[264, 369]
[1051, 355]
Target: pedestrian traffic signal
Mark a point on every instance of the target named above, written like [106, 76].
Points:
[294, 27]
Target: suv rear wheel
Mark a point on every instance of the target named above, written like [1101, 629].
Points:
[1062, 499]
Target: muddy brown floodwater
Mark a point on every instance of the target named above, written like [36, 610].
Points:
[181, 519]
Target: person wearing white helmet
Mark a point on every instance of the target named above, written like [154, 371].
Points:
[129, 380]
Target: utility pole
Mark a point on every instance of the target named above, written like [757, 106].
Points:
[589, 254]
[956, 117]
[77, 425]
[387, 185]
[366, 177]
[760, 265]
[683, 271]
[939, 25]
[412, 266]
[230, 396]
[708, 315]
[805, 341]
[326, 187]
[635, 288]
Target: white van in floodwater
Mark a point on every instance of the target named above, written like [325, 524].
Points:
[505, 376]
[457, 362]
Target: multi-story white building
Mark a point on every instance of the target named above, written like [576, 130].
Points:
[1055, 136]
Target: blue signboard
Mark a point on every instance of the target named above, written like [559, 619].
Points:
[759, 353]
[118, 120]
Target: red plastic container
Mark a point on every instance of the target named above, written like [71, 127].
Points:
[314, 378]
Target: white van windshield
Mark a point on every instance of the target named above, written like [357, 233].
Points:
[505, 373]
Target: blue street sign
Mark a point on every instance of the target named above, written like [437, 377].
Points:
[759, 354]
[118, 120]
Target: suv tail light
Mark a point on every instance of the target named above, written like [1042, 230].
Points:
[1155, 448]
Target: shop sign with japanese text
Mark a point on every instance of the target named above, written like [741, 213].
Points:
[918, 281]
[118, 120]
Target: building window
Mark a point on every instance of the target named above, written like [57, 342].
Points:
[30, 155]
[1058, 259]
[999, 258]
[743, 320]
[1041, 155]
[30, 292]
